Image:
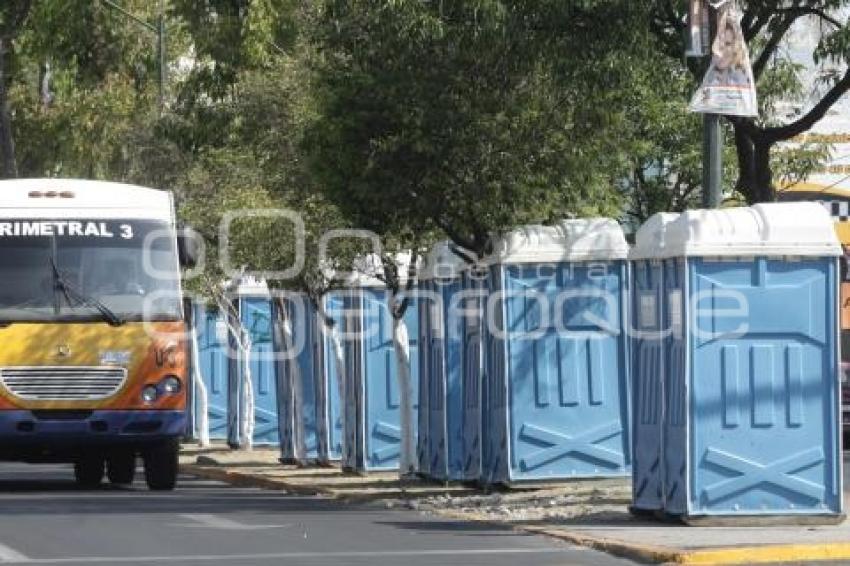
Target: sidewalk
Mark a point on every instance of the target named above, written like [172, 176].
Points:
[587, 513]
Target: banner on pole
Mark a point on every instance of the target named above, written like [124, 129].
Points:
[728, 87]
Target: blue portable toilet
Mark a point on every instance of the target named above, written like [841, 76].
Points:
[651, 343]
[329, 392]
[255, 312]
[213, 367]
[372, 404]
[556, 354]
[751, 387]
[441, 432]
[294, 334]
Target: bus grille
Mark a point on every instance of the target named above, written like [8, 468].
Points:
[62, 383]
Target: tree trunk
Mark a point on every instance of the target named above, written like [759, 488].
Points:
[247, 424]
[746, 165]
[765, 191]
[8, 164]
[242, 343]
[202, 404]
[755, 176]
[332, 331]
[401, 344]
[295, 402]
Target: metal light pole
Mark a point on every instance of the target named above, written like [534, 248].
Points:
[712, 161]
[159, 30]
[712, 143]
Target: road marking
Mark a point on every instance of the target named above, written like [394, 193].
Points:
[210, 521]
[9, 554]
[291, 555]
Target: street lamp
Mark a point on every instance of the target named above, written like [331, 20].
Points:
[159, 30]
[698, 40]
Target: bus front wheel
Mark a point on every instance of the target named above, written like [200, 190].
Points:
[161, 465]
[121, 467]
[88, 470]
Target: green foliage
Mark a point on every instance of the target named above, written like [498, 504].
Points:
[87, 133]
[766, 25]
[229, 36]
[412, 119]
[458, 116]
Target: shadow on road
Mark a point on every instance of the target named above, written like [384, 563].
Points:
[49, 493]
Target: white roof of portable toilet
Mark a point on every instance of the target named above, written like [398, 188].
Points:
[443, 263]
[584, 239]
[774, 229]
[368, 270]
[252, 287]
[365, 272]
[651, 237]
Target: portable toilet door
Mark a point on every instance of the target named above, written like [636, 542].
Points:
[373, 410]
[353, 419]
[440, 332]
[650, 341]
[557, 403]
[212, 354]
[424, 438]
[756, 392]
[473, 304]
[294, 333]
[674, 398]
[329, 394]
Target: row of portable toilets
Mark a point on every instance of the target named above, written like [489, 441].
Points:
[703, 361]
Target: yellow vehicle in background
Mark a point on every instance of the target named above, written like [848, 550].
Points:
[836, 199]
[93, 359]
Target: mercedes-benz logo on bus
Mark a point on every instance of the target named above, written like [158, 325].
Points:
[63, 351]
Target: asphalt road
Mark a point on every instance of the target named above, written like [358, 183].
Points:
[45, 519]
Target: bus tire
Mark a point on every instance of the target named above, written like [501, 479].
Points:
[88, 470]
[161, 465]
[121, 467]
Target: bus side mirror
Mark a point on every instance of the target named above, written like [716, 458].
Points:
[189, 246]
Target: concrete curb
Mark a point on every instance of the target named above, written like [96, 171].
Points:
[768, 553]
[758, 554]
[247, 479]
[640, 552]
[645, 553]
[241, 479]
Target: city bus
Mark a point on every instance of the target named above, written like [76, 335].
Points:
[836, 198]
[93, 354]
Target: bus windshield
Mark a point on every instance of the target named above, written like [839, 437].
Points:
[128, 266]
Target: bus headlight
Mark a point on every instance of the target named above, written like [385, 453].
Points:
[149, 394]
[171, 384]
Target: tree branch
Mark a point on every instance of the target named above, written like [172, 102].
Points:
[455, 236]
[771, 46]
[798, 11]
[813, 116]
[753, 25]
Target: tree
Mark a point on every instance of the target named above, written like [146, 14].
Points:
[460, 117]
[255, 162]
[85, 94]
[13, 15]
[766, 25]
[663, 141]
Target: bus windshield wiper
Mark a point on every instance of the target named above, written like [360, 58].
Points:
[72, 293]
